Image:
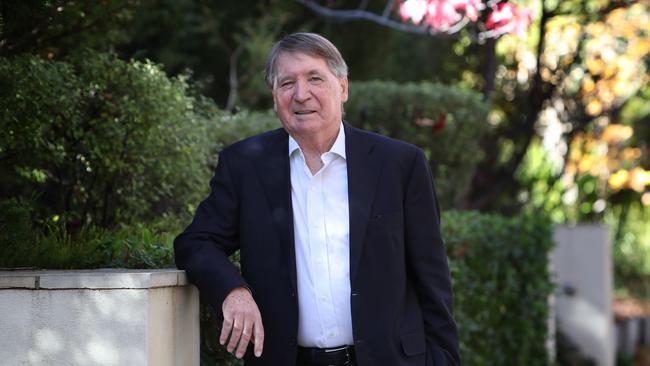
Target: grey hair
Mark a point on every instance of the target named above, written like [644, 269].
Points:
[311, 44]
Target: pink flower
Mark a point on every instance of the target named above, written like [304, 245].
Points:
[469, 7]
[508, 18]
[414, 10]
[441, 14]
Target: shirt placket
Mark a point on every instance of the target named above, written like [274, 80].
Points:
[319, 254]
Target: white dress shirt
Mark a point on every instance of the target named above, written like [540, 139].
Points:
[322, 241]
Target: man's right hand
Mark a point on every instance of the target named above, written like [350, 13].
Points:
[242, 323]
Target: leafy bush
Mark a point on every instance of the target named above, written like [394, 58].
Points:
[630, 235]
[446, 122]
[101, 140]
[501, 284]
[25, 244]
[498, 265]
[235, 127]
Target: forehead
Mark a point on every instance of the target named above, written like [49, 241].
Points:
[297, 62]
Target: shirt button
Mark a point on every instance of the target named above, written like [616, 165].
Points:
[332, 335]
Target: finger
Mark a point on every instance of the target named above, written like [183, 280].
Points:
[245, 337]
[258, 333]
[236, 333]
[225, 329]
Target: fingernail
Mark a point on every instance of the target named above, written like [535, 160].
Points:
[258, 353]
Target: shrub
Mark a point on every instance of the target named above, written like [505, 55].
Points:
[499, 268]
[501, 284]
[101, 140]
[26, 244]
[446, 122]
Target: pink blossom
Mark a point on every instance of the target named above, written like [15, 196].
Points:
[508, 18]
[441, 14]
[469, 7]
[524, 18]
[505, 17]
[414, 10]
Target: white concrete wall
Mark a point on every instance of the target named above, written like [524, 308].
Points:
[581, 262]
[100, 317]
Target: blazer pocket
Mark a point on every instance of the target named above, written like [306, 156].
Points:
[382, 218]
[413, 343]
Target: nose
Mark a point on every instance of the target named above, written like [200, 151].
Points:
[301, 91]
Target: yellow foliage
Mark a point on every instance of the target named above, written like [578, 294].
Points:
[630, 153]
[616, 133]
[639, 178]
[617, 180]
[588, 85]
[615, 53]
[594, 107]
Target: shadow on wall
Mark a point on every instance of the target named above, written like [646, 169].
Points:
[76, 327]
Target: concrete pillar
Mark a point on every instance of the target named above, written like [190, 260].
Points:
[582, 269]
[98, 317]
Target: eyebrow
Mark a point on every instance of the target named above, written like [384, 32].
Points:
[310, 72]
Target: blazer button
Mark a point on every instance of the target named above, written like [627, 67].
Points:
[293, 294]
[292, 342]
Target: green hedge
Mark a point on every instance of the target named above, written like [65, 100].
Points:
[95, 139]
[501, 284]
[499, 268]
[459, 120]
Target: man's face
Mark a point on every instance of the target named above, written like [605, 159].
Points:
[308, 97]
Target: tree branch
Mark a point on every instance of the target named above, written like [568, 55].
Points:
[232, 78]
[349, 15]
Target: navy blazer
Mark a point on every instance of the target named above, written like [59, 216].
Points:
[401, 295]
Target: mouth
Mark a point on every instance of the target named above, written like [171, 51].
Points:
[303, 113]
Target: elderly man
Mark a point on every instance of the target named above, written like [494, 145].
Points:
[338, 229]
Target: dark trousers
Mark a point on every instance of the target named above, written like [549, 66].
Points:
[353, 363]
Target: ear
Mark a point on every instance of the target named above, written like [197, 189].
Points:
[275, 104]
[344, 89]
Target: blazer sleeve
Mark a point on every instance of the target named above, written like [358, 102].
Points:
[202, 250]
[427, 263]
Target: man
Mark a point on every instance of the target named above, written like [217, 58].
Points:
[342, 262]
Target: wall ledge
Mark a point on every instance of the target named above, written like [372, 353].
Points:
[103, 278]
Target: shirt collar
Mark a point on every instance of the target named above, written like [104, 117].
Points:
[338, 147]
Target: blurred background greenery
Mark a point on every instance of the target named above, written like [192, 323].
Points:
[112, 114]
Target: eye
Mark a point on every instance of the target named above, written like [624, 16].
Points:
[286, 84]
[315, 79]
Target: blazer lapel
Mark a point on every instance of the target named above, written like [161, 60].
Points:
[273, 173]
[363, 173]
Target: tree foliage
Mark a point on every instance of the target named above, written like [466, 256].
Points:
[54, 28]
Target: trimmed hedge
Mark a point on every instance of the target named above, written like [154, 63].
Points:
[501, 284]
[499, 268]
[446, 122]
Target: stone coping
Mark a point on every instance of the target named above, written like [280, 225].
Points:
[103, 278]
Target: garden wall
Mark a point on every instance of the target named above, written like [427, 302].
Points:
[98, 317]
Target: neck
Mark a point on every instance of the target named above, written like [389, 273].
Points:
[317, 144]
